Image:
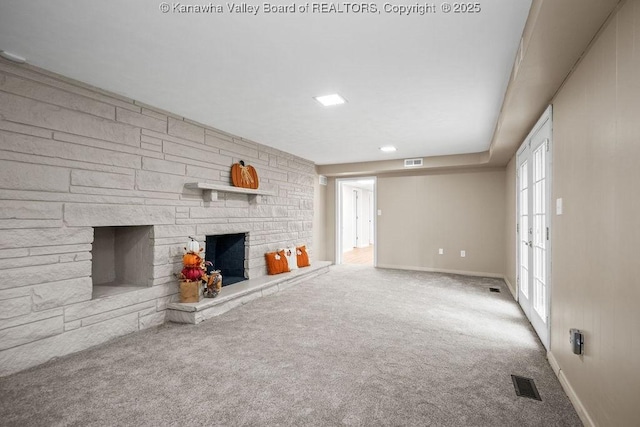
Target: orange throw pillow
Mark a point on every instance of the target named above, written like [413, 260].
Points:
[276, 262]
[303, 256]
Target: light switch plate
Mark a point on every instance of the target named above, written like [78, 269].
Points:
[559, 206]
[463, 254]
[379, 212]
[441, 251]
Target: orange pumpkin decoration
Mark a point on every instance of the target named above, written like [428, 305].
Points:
[191, 260]
[244, 176]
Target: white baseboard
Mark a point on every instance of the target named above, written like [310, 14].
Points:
[512, 289]
[463, 273]
[440, 270]
[554, 363]
[573, 397]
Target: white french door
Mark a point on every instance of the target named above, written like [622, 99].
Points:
[534, 191]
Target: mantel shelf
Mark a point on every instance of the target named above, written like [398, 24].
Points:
[210, 191]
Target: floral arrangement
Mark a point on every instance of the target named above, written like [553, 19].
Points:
[195, 270]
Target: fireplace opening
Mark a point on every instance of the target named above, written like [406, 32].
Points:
[227, 253]
[121, 259]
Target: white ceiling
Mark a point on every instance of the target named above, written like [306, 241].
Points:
[430, 85]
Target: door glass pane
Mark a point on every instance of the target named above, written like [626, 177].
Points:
[524, 229]
[539, 231]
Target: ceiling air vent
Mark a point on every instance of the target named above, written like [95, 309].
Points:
[412, 163]
[323, 179]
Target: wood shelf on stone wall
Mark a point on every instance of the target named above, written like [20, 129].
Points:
[210, 191]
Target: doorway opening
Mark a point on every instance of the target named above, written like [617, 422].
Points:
[356, 230]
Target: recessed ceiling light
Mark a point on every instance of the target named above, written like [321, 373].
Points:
[388, 149]
[12, 57]
[329, 100]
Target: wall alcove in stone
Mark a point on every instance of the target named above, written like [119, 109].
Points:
[121, 259]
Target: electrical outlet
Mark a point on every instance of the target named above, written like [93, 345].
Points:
[576, 338]
[463, 254]
[441, 251]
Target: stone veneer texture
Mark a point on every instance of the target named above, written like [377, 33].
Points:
[73, 157]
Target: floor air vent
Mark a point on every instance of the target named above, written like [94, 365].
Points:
[525, 387]
[494, 289]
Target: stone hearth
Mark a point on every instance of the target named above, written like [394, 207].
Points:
[242, 293]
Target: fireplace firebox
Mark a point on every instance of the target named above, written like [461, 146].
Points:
[227, 253]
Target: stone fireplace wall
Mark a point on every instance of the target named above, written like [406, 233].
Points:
[72, 158]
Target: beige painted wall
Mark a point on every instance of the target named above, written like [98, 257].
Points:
[596, 285]
[330, 229]
[456, 210]
[510, 226]
[595, 280]
[319, 221]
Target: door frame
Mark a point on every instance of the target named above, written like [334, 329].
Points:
[338, 214]
[356, 214]
[547, 116]
[519, 239]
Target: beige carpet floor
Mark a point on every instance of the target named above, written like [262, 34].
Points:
[355, 347]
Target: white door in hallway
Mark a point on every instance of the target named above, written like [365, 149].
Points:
[534, 189]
